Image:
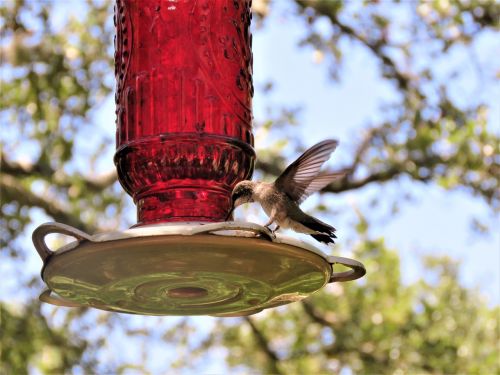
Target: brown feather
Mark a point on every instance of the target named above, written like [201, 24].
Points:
[302, 177]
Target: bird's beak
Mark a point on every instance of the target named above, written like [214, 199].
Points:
[230, 214]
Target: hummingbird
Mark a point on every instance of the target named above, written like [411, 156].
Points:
[281, 199]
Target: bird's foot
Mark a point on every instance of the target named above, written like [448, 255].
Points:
[273, 231]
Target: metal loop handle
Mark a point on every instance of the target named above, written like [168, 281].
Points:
[50, 228]
[48, 297]
[356, 271]
[258, 230]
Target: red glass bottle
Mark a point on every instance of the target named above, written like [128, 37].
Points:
[184, 105]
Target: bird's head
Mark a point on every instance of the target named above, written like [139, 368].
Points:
[242, 193]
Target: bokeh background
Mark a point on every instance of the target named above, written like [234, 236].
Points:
[411, 89]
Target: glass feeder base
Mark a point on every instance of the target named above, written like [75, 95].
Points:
[219, 269]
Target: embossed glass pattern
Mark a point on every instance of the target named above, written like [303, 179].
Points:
[183, 105]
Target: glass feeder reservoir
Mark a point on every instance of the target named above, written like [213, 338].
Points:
[184, 106]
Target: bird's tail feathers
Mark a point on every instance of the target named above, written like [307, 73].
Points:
[317, 225]
[325, 238]
[326, 233]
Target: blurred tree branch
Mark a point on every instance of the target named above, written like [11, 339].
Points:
[263, 344]
[61, 179]
[345, 184]
[328, 9]
[315, 316]
[13, 189]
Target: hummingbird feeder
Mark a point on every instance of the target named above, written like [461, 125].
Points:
[184, 140]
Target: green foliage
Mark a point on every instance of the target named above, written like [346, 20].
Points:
[430, 136]
[377, 325]
[27, 341]
[54, 74]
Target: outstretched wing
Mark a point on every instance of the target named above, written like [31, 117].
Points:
[320, 181]
[302, 177]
